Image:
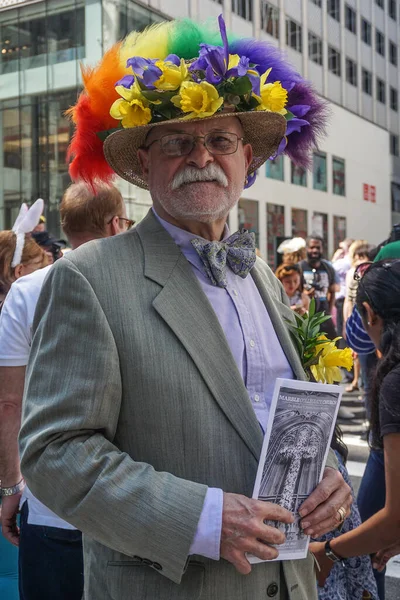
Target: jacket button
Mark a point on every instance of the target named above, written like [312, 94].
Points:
[147, 562]
[272, 590]
[157, 566]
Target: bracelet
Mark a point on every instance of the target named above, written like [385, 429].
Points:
[13, 490]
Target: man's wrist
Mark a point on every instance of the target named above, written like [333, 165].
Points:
[13, 489]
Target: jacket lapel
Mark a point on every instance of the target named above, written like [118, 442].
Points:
[184, 307]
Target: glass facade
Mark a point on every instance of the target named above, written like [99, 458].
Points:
[319, 172]
[274, 168]
[133, 17]
[298, 175]
[320, 226]
[338, 176]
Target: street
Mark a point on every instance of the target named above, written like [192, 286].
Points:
[358, 455]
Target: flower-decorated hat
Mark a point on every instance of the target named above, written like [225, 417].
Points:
[181, 71]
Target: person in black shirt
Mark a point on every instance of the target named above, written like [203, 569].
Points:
[320, 281]
[378, 303]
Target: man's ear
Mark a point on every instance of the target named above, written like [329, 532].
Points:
[143, 156]
[248, 155]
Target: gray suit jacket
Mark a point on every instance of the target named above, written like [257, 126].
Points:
[133, 406]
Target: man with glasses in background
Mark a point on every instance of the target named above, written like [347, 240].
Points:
[50, 549]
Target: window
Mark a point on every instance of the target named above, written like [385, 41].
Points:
[350, 19]
[293, 35]
[394, 145]
[299, 222]
[133, 17]
[333, 61]
[393, 9]
[270, 19]
[394, 99]
[367, 82]
[315, 48]
[298, 175]
[380, 3]
[366, 32]
[380, 91]
[243, 8]
[333, 8]
[319, 172]
[395, 197]
[36, 42]
[275, 231]
[339, 230]
[274, 168]
[319, 224]
[338, 177]
[380, 42]
[317, 2]
[393, 53]
[248, 217]
[351, 71]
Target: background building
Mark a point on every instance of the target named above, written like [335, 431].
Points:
[349, 49]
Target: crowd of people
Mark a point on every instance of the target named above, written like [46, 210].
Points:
[137, 370]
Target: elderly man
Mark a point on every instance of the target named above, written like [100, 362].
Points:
[50, 549]
[163, 349]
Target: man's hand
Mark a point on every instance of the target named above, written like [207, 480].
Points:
[244, 530]
[10, 509]
[319, 512]
[381, 558]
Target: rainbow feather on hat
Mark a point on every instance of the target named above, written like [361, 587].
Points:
[144, 79]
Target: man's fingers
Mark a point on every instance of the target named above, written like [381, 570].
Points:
[11, 532]
[331, 482]
[326, 516]
[273, 512]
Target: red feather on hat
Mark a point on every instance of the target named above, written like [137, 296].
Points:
[91, 115]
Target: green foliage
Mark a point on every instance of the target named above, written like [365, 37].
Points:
[305, 335]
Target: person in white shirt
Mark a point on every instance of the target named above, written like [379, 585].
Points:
[50, 550]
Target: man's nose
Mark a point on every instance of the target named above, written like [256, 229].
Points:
[199, 157]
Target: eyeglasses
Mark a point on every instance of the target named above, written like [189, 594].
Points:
[129, 222]
[181, 144]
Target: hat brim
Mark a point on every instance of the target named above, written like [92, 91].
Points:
[263, 130]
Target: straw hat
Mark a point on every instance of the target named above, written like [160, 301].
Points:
[180, 71]
[264, 131]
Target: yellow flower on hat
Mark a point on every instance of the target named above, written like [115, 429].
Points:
[132, 109]
[273, 97]
[172, 75]
[330, 360]
[197, 99]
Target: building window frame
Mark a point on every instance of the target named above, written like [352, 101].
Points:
[380, 42]
[392, 9]
[243, 8]
[294, 35]
[366, 77]
[351, 71]
[380, 90]
[393, 53]
[394, 99]
[366, 32]
[350, 19]
[333, 9]
[270, 19]
[334, 61]
[315, 48]
[338, 181]
[320, 171]
[394, 144]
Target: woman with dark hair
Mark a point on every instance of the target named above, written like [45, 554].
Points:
[378, 303]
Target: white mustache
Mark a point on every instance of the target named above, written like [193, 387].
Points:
[211, 172]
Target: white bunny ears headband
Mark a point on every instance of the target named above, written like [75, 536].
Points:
[26, 221]
[292, 245]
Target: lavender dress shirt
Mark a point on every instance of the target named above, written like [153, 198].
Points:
[258, 356]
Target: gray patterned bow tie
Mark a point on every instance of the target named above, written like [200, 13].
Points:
[237, 251]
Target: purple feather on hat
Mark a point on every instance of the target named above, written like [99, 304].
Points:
[306, 103]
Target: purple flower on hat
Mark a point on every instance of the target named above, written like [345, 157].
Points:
[214, 60]
[250, 180]
[145, 69]
[127, 81]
